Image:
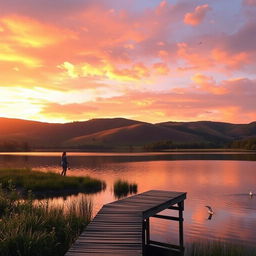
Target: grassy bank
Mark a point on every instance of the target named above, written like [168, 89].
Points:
[40, 182]
[218, 248]
[39, 230]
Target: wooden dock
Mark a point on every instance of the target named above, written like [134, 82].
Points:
[122, 227]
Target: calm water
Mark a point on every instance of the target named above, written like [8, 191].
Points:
[222, 180]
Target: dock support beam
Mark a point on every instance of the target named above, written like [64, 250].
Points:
[181, 237]
[147, 231]
[145, 234]
[146, 228]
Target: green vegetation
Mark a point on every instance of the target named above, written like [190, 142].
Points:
[124, 188]
[218, 248]
[40, 182]
[249, 144]
[14, 146]
[164, 145]
[27, 229]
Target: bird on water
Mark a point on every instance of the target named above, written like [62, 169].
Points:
[210, 211]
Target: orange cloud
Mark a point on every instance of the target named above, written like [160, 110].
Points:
[138, 71]
[196, 59]
[161, 68]
[231, 60]
[23, 37]
[196, 17]
[163, 54]
[106, 70]
[28, 32]
[12, 56]
[112, 26]
[207, 84]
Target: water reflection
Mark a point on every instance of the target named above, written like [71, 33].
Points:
[222, 181]
[66, 194]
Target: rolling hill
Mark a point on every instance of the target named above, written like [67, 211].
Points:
[119, 132]
[136, 134]
[39, 134]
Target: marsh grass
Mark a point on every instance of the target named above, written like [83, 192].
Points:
[26, 179]
[124, 188]
[218, 248]
[27, 229]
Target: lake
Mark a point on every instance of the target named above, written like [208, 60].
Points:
[221, 180]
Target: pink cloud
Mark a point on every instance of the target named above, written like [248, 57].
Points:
[207, 84]
[193, 57]
[250, 2]
[231, 60]
[196, 17]
[220, 53]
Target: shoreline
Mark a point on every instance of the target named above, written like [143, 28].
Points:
[45, 153]
[59, 150]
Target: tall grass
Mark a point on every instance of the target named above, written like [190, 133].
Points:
[124, 188]
[218, 248]
[36, 181]
[39, 230]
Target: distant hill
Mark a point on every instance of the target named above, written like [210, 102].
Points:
[215, 130]
[136, 134]
[39, 134]
[119, 132]
[208, 131]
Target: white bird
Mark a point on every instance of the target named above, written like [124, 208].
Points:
[250, 193]
[210, 211]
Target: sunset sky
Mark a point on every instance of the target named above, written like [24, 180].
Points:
[149, 60]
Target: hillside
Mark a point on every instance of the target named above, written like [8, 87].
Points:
[136, 134]
[39, 134]
[215, 130]
[118, 132]
[210, 131]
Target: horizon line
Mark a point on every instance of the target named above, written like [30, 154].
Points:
[118, 117]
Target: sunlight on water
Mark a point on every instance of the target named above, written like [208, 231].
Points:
[222, 181]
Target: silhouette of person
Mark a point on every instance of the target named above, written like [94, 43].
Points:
[64, 164]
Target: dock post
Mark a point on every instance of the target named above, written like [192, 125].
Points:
[181, 239]
[147, 231]
[143, 236]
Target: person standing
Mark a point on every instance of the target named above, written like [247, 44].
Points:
[64, 163]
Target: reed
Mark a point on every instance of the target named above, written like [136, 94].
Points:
[124, 188]
[26, 179]
[27, 229]
[218, 248]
